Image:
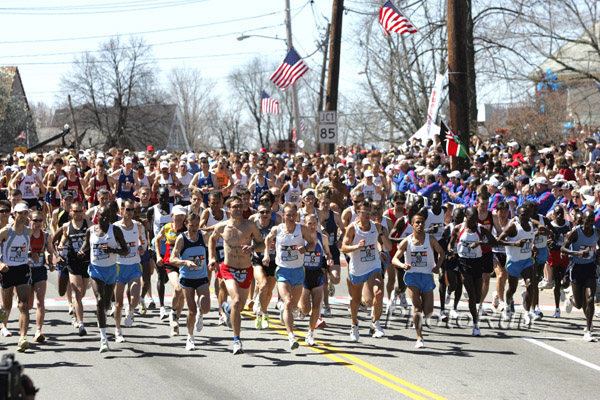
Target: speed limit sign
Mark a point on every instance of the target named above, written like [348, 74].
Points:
[327, 127]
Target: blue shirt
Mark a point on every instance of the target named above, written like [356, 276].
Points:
[544, 200]
[194, 169]
[407, 183]
[494, 200]
[434, 187]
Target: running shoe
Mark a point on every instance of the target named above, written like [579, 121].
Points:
[5, 332]
[142, 307]
[81, 328]
[22, 345]
[259, 320]
[588, 337]
[537, 314]
[569, 304]
[320, 323]
[465, 294]
[480, 310]
[502, 306]
[266, 321]
[39, 337]
[175, 329]
[403, 302]
[420, 343]
[226, 312]
[151, 305]
[129, 319]
[562, 294]
[199, 321]
[237, 347]
[496, 300]
[545, 284]
[390, 307]
[250, 305]
[507, 315]
[103, 345]
[256, 307]
[310, 340]
[71, 309]
[189, 344]
[597, 314]
[556, 313]
[354, 335]
[74, 322]
[326, 311]
[293, 342]
[377, 330]
[362, 307]
[331, 290]
[221, 320]
[454, 313]
[163, 313]
[281, 314]
[443, 316]
[527, 318]
[447, 299]
[111, 311]
[523, 294]
[476, 330]
[119, 336]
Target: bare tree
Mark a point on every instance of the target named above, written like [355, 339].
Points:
[228, 130]
[110, 84]
[194, 96]
[42, 114]
[15, 116]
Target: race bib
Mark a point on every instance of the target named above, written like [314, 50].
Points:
[331, 239]
[18, 254]
[132, 250]
[591, 249]
[465, 250]
[99, 250]
[199, 261]
[289, 253]
[367, 253]
[294, 197]
[526, 247]
[418, 259]
[28, 190]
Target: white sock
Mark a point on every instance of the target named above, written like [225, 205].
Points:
[103, 333]
[291, 335]
[190, 337]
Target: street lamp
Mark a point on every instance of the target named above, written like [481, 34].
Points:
[244, 37]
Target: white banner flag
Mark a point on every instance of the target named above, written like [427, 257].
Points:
[434, 103]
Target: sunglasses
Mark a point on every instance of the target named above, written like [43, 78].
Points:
[4, 211]
[128, 209]
[264, 212]
[399, 203]
[37, 220]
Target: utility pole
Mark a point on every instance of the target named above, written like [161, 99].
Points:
[458, 12]
[322, 85]
[74, 124]
[333, 75]
[295, 105]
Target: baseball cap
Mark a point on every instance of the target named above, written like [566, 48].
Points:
[21, 207]
[150, 148]
[454, 174]
[307, 192]
[164, 164]
[514, 145]
[493, 182]
[368, 173]
[366, 161]
[540, 180]
[588, 194]
[191, 157]
[508, 185]
[67, 193]
[567, 186]
[182, 163]
[128, 160]
[523, 179]
[178, 210]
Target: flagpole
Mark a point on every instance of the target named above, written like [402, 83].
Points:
[295, 106]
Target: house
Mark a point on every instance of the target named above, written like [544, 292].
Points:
[15, 115]
[576, 66]
[159, 125]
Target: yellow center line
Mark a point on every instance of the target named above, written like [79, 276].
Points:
[335, 354]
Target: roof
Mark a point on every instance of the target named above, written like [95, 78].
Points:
[579, 55]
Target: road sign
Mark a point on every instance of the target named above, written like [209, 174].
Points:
[327, 127]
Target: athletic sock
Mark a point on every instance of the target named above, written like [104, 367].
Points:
[236, 338]
[103, 333]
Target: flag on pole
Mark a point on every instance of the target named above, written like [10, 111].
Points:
[393, 20]
[22, 136]
[302, 126]
[268, 105]
[290, 70]
[451, 142]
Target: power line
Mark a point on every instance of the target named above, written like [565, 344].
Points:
[167, 4]
[142, 32]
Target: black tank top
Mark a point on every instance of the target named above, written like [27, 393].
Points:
[75, 239]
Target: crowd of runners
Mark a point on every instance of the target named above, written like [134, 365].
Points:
[256, 226]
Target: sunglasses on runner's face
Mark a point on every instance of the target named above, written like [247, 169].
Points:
[37, 220]
[263, 212]
[4, 211]
[128, 209]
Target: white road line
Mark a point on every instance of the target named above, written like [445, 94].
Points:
[562, 353]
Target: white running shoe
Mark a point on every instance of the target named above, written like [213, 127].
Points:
[448, 297]
[502, 306]
[293, 342]
[354, 335]
[71, 309]
[103, 345]
[237, 347]
[129, 320]
[443, 316]
[496, 300]
[562, 294]
[476, 330]
[377, 330]
[390, 307]
[420, 343]
[507, 315]
[403, 302]
[465, 294]
[189, 344]
[331, 290]
[326, 311]
[537, 314]
[588, 337]
[111, 311]
[569, 304]
[5, 332]
[199, 321]
[454, 313]
[119, 336]
[523, 293]
[310, 340]
[163, 313]
[527, 318]
[556, 313]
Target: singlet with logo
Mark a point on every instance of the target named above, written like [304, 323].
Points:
[75, 239]
[99, 244]
[288, 255]
[15, 250]
[435, 221]
[194, 251]
[38, 246]
[132, 238]
[314, 259]
[467, 238]
[420, 258]
[589, 243]
[515, 253]
[365, 259]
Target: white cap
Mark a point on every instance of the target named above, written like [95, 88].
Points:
[540, 180]
[545, 150]
[182, 163]
[308, 191]
[366, 161]
[513, 144]
[454, 174]
[164, 164]
[128, 160]
[368, 173]
[203, 155]
[191, 157]
[340, 165]
[178, 210]
[588, 194]
[493, 182]
[141, 155]
[100, 155]
[21, 207]
[558, 177]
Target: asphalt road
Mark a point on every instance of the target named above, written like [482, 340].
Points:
[548, 360]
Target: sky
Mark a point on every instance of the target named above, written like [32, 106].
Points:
[42, 38]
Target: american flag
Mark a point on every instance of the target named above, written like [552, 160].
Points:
[290, 70]
[268, 105]
[392, 20]
[302, 129]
